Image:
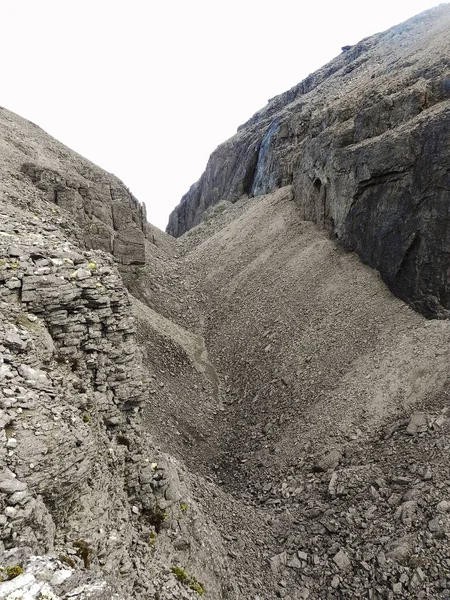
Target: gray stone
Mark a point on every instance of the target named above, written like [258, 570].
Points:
[335, 582]
[18, 497]
[113, 220]
[10, 512]
[401, 548]
[294, 563]
[10, 486]
[33, 375]
[436, 528]
[278, 561]
[11, 443]
[342, 560]
[329, 461]
[417, 424]
[14, 341]
[397, 588]
[443, 506]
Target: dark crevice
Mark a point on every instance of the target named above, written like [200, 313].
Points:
[251, 172]
[410, 252]
[378, 180]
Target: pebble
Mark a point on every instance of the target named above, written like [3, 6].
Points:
[10, 512]
[9, 486]
[335, 582]
[342, 560]
[417, 424]
[18, 497]
[443, 506]
[329, 461]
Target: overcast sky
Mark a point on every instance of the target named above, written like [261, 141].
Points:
[147, 89]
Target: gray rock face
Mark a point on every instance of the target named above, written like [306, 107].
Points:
[36, 165]
[364, 143]
[110, 216]
[71, 387]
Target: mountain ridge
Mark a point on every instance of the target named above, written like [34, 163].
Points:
[363, 142]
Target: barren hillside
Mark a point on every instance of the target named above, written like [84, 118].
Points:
[247, 411]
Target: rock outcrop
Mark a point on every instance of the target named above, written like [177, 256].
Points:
[110, 217]
[364, 143]
[89, 505]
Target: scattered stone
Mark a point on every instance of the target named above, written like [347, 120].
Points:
[10, 486]
[443, 506]
[397, 588]
[417, 579]
[335, 582]
[400, 549]
[342, 560]
[278, 561]
[328, 462]
[294, 563]
[417, 424]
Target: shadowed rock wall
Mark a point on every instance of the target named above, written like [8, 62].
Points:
[364, 142]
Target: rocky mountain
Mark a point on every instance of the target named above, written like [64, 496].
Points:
[364, 144]
[245, 411]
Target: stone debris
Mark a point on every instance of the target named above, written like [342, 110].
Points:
[329, 462]
[309, 453]
[342, 560]
[278, 561]
[417, 424]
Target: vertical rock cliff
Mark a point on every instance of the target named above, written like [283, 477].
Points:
[364, 143]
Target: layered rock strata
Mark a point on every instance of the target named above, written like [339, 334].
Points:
[110, 217]
[82, 485]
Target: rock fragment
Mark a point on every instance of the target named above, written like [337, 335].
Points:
[342, 560]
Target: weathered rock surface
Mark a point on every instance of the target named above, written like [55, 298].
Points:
[364, 142]
[110, 217]
[264, 419]
[80, 477]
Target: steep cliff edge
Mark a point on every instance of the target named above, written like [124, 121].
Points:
[364, 142]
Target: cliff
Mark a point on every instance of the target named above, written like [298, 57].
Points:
[364, 144]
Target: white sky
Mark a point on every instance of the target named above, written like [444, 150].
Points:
[147, 89]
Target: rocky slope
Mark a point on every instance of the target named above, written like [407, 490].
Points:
[246, 411]
[364, 143]
[335, 404]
